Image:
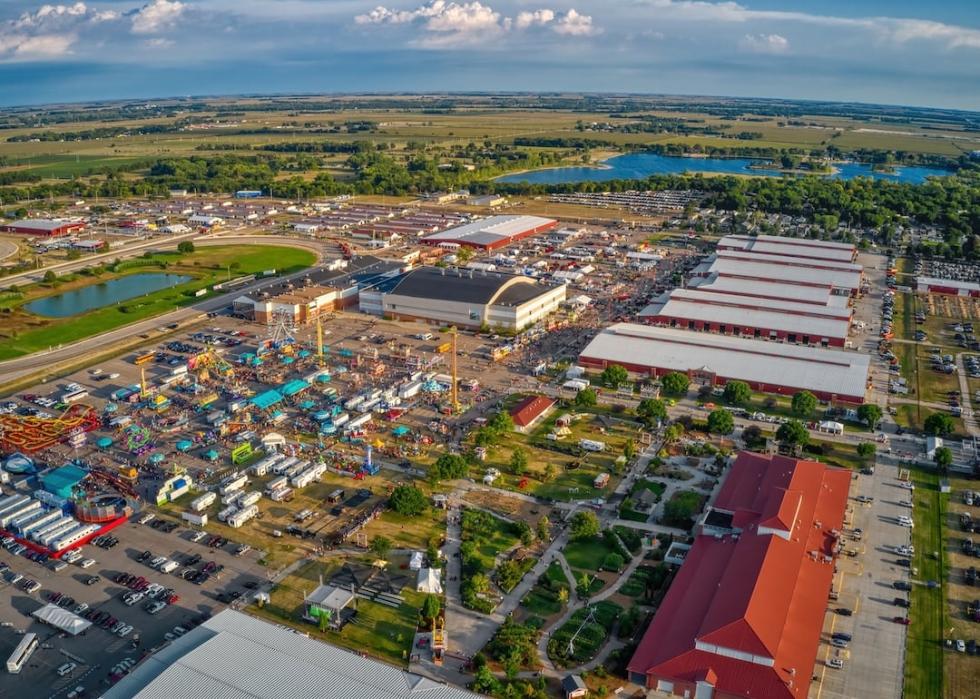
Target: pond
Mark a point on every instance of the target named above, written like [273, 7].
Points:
[103, 294]
[641, 165]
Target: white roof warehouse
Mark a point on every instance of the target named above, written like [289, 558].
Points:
[769, 367]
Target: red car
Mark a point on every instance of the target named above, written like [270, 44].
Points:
[904, 620]
[173, 599]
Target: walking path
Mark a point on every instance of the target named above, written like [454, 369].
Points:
[969, 417]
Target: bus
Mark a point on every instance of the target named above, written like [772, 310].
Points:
[22, 653]
[145, 358]
[74, 395]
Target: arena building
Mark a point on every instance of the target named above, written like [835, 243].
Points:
[43, 227]
[491, 233]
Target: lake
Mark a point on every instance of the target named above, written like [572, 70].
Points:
[103, 294]
[637, 166]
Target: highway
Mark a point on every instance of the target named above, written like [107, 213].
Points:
[13, 369]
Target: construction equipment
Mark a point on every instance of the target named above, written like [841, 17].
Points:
[454, 389]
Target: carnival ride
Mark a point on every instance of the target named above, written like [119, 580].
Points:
[209, 363]
[30, 434]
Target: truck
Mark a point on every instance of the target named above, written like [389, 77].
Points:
[202, 502]
[444, 347]
[199, 520]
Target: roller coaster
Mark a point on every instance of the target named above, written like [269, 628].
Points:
[30, 434]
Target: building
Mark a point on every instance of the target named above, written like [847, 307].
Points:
[843, 278]
[949, 287]
[62, 481]
[44, 227]
[464, 298]
[327, 604]
[574, 687]
[789, 247]
[819, 295]
[491, 200]
[205, 221]
[531, 410]
[491, 233]
[747, 316]
[744, 615]
[233, 655]
[707, 359]
[303, 299]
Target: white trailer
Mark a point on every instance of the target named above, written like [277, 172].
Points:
[28, 507]
[249, 498]
[281, 495]
[17, 502]
[231, 498]
[56, 534]
[197, 519]
[234, 484]
[353, 402]
[282, 466]
[301, 480]
[41, 522]
[359, 421]
[202, 502]
[74, 537]
[277, 484]
[340, 420]
[239, 518]
[226, 513]
[18, 524]
[37, 534]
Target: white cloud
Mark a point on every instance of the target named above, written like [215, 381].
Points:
[453, 22]
[573, 23]
[44, 46]
[764, 43]
[48, 32]
[157, 16]
[535, 18]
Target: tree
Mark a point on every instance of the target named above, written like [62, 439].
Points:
[651, 410]
[793, 432]
[673, 432]
[614, 376]
[381, 546]
[943, 458]
[449, 467]
[866, 450]
[518, 461]
[737, 393]
[675, 383]
[544, 528]
[563, 595]
[871, 414]
[408, 500]
[939, 424]
[584, 525]
[501, 422]
[525, 533]
[550, 471]
[185, 246]
[613, 562]
[720, 421]
[586, 398]
[431, 606]
[629, 449]
[485, 682]
[49, 277]
[804, 403]
[681, 508]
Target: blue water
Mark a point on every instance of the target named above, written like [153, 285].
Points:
[103, 294]
[635, 166]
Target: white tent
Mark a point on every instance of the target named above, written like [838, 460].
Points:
[62, 619]
[416, 561]
[273, 439]
[429, 581]
[832, 427]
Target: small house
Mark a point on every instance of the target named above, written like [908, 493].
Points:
[573, 687]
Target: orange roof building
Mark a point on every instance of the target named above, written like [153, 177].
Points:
[744, 614]
[530, 410]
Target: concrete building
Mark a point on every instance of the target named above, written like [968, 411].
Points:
[744, 615]
[234, 656]
[464, 298]
[707, 359]
[491, 233]
[790, 247]
[746, 316]
[43, 227]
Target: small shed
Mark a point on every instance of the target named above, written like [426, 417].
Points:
[415, 562]
[573, 687]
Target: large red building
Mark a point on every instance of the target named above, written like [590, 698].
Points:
[43, 226]
[744, 614]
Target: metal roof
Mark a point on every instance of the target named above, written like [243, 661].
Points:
[776, 245]
[761, 361]
[767, 289]
[42, 224]
[488, 231]
[469, 286]
[948, 283]
[799, 242]
[236, 656]
[773, 271]
[791, 261]
[776, 305]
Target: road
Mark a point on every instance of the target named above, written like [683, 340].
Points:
[7, 248]
[13, 369]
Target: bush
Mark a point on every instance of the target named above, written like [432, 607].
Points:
[613, 562]
[408, 500]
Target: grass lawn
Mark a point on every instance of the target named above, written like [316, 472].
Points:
[408, 532]
[22, 333]
[380, 631]
[587, 554]
[637, 583]
[587, 638]
[543, 600]
[836, 454]
[924, 651]
[489, 542]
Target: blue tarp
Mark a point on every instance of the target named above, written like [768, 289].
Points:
[103, 442]
[184, 445]
[267, 399]
[291, 388]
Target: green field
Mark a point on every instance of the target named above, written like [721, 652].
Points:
[924, 651]
[23, 333]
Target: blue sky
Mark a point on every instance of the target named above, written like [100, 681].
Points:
[896, 51]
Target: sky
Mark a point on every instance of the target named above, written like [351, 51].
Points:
[882, 51]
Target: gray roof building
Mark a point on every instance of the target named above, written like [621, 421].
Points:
[236, 656]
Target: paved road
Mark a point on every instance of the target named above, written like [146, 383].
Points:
[7, 248]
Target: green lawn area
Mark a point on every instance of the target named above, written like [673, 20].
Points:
[22, 333]
[490, 540]
[543, 597]
[378, 630]
[636, 585]
[924, 651]
[587, 554]
[631, 538]
[834, 453]
[587, 638]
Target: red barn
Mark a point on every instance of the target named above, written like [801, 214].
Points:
[44, 227]
[529, 411]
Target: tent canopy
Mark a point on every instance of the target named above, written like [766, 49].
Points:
[184, 445]
[103, 442]
[62, 619]
[273, 439]
[429, 581]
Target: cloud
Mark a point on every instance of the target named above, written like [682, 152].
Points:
[574, 24]
[535, 18]
[48, 32]
[764, 43]
[455, 22]
[157, 16]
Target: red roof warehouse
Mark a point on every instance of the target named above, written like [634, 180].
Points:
[43, 226]
[530, 410]
[744, 615]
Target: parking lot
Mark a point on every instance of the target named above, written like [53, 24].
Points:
[95, 660]
[873, 661]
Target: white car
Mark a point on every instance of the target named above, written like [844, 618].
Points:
[905, 521]
[133, 598]
[87, 563]
[908, 485]
[155, 607]
[960, 646]
[835, 663]
[80, 609]
[66, 669]
[124, 631]
[147, 517]
[198, 536]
